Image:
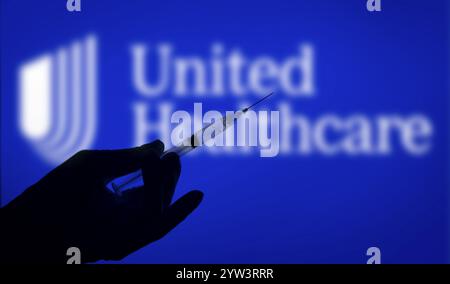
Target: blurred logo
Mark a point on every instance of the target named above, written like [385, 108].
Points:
[58, 100]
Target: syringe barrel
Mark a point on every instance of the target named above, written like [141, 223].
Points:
[135, 179]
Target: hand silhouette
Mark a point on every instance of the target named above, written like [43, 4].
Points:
[71, 207]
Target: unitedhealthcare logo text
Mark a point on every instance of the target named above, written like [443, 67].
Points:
[58, 103]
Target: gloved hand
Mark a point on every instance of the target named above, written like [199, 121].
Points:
[71, 207]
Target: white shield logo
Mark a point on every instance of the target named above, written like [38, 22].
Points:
[58, 100]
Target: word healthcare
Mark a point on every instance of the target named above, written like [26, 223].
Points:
[287, 133]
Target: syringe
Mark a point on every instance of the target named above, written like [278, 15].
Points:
[188, 145]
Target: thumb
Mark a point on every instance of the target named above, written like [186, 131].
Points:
[114, 163]
[180, 209]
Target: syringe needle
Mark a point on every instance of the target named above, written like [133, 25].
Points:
[184, 148]
[257, 102]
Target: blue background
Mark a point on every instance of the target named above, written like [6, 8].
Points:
[289, 209]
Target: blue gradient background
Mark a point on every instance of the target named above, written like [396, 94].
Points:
[292, 209]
